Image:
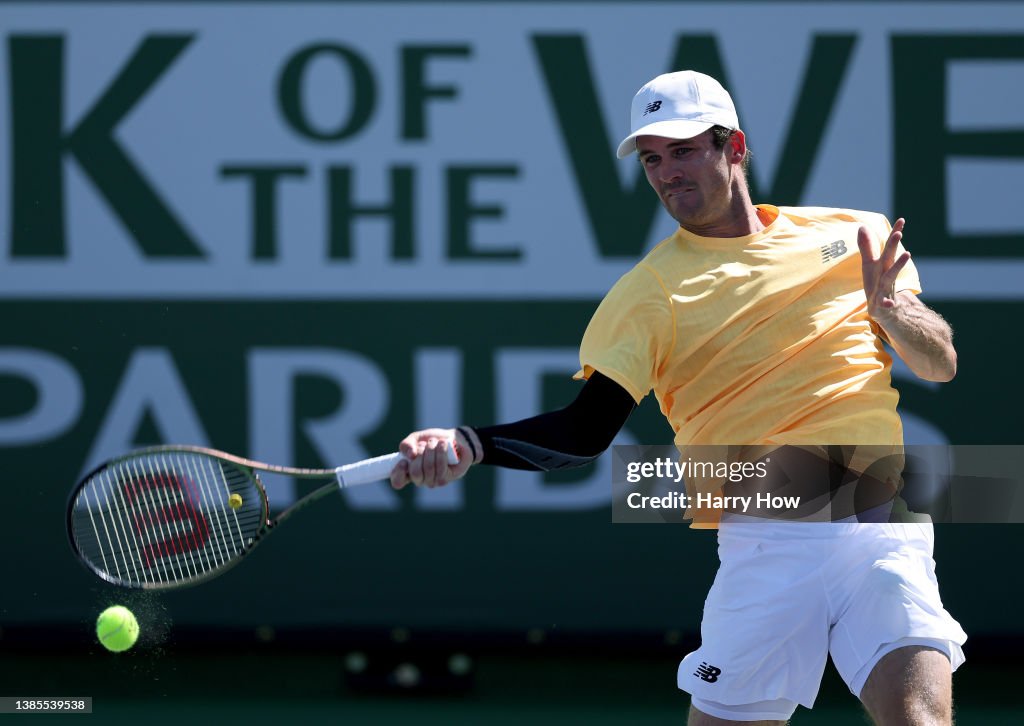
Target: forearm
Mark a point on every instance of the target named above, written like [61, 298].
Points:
[572, 436]
[554, 440]
[562, 439]
[921, 337]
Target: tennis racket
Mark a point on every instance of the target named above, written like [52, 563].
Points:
[172, 516]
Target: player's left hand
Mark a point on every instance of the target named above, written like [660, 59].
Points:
[880, 272]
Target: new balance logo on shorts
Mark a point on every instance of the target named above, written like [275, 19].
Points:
[652, 107]
[832, 251]
[708, 672]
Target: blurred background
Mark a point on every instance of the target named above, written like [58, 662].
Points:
[297, 231]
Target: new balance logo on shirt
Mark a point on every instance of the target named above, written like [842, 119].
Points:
[708, 672]
[833, 251]
[652, 107]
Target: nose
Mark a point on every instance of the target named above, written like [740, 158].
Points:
[668, 172]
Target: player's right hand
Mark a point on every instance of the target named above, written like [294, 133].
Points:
[426, 458]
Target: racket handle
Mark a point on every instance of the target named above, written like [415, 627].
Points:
[377, 468]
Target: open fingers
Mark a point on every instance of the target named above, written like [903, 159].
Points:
[870, 267]
[892, 244]
[867, 251]
[887, 281]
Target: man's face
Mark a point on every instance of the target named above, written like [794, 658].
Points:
[691, 176]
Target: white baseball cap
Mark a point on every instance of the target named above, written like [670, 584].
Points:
[678, 105]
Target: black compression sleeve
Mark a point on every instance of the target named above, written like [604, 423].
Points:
[572, 436]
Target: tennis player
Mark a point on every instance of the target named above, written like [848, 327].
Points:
[759, 325]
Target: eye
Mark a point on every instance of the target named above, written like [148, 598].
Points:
[650, 160]
[682, 150]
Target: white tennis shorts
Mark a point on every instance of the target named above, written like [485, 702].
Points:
[789, 594]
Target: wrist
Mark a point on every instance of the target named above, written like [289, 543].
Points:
[473, 444]
[887, 317]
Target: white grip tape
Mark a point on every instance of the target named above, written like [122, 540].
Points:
[377, 468]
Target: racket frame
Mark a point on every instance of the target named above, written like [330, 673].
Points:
[341, 477]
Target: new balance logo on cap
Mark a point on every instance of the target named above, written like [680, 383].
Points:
[652, 107]
[833, 251]
[708, 672]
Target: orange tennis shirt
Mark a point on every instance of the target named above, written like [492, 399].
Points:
[762, 339]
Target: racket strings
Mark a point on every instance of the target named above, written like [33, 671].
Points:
[156, 519]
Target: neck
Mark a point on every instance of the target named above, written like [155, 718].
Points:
[738, 219]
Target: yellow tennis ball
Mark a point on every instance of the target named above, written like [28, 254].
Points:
[235, 501]
[117, 628]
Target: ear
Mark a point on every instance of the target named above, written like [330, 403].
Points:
[737, 146]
